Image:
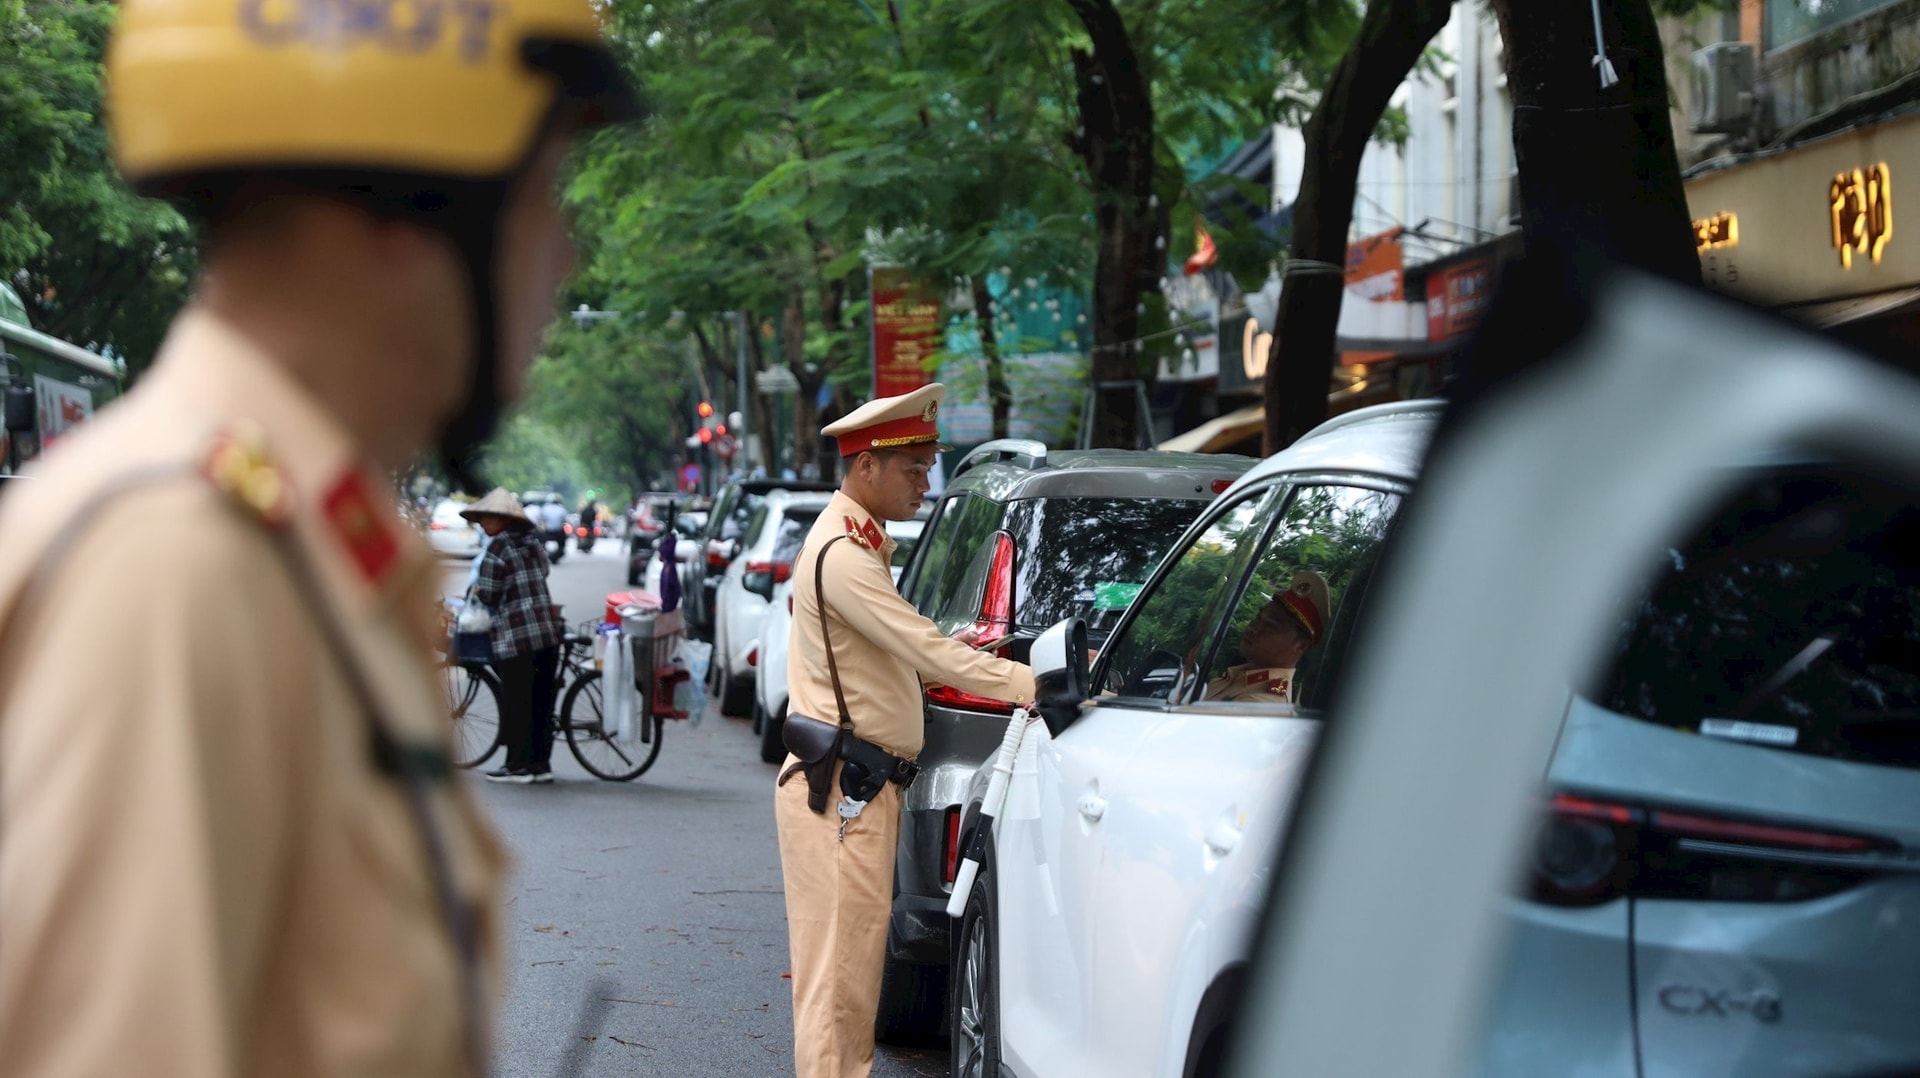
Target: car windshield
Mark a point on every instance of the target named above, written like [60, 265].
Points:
[1791, 620]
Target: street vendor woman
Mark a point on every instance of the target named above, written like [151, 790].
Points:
[859, 654]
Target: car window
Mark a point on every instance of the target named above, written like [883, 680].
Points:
[740, 520]
[1160, 648]
[721, 512]
[755, 526]
[953, 540]
[1089, 557]
[1303, 593]
[1791, 620]
[903, 549]
[794, 526]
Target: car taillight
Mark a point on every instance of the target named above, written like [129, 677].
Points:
[753, 657]
[952, 868]
[994, 622]
[716, 560]
[1590, 851]
[1220, 485]
[780, 571]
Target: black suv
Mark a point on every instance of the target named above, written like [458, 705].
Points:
[719, 542]
[1020, 539]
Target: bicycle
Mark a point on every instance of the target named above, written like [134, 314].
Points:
[600, 746]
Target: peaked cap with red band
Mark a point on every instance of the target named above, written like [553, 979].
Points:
[891, 422]
[1306, 599]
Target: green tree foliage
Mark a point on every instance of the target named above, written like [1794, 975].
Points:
[601, 412]
[795, 140]
[94, 264]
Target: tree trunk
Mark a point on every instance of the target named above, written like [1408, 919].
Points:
[1599, 177]
[1116, 140]
[1300, 363]
[998, 393]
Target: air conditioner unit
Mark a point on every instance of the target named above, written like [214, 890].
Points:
[1723, 79]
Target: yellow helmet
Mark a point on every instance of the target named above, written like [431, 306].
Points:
[445, 88]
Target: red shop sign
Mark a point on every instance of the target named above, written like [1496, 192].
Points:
[906, 330]
[1457, 297]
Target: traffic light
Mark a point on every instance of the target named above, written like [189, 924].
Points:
[721, 429]
[705, 409]
[706, 435]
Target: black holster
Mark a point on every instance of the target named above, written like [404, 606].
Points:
[817, 745]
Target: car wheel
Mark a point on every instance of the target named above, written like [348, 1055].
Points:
[974, 1049]
[913, 1000]
[773, 745]
[737, 699]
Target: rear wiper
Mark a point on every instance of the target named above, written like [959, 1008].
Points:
[1777, 680]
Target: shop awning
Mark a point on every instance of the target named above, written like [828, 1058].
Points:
[1214, 434]
[1841, 311]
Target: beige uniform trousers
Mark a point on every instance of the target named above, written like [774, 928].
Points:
[839, 899]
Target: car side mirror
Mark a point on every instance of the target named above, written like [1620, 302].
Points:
[1060, 675]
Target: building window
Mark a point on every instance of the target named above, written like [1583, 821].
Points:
[1788, 21]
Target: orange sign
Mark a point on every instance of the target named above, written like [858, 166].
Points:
[1374, 266]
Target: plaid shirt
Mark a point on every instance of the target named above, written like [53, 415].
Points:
[513, 584]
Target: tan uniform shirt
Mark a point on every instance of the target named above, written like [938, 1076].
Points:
[1252, 683]
[201, 871]
[883, 647]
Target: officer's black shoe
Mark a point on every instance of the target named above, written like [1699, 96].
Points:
[517, 775]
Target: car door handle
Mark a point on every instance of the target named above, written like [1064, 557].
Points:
[1092, 807]
[1223, 836]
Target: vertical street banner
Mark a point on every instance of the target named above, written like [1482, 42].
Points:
[906, 329]
[62, 407]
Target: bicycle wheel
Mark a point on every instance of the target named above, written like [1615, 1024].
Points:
[473, 700]
[595, 738]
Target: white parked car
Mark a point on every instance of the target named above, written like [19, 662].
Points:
[1723, 816]
[767, 547]
[452, 534]
[1133, 853]
[770, 658]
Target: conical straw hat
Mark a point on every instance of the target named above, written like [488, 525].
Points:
[500, 502]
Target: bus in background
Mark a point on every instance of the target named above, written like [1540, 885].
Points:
[51, 385]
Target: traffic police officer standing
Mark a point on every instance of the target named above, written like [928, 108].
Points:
[874, 654]
[229, 840]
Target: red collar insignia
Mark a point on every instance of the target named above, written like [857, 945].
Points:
[356, 520]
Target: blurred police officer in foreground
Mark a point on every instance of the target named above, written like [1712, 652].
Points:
[858, 656]
[229, 842]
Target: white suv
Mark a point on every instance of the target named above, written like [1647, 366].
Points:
[767, 548]
[1108, 933]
